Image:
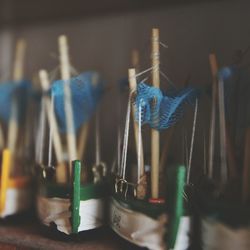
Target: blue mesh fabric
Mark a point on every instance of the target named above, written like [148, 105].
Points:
[9, 90]
[86, 91]
[227, 72]
[161, 111]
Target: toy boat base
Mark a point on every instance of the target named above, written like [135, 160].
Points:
[144, 231]
[72, 208]
[18, 199]
[137, 227]
[217, 236]
[57, 211]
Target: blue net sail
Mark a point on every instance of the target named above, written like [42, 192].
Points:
[86, 91]
[8, 91]
[227, 72]
[161, 111]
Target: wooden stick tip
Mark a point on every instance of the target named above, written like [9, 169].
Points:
[44, 79]
[131, 70]
[21, 42]
[42, 72]
[63, 40]
[155, 32]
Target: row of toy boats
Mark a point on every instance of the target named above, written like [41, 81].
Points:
[157, 204]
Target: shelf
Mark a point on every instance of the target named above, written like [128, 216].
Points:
[30, 11]
[24, 232]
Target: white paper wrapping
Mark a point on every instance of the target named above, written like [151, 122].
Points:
[183, 236]
[57, 210]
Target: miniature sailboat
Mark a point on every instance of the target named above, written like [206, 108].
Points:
[136, 213]
[224, 201]
[15, 180]
[65, 198]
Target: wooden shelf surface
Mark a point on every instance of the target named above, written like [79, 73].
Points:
[29, 12]
[25, 232]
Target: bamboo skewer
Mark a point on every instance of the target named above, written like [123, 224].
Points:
[13, 122]
[138, 139]
[17, 76]
[119, 135]
[155, 135]
[41, 135]
[192, 142]
[85, 129]
[214, 70]
[19, 60]
[141, 177]
[61, 172]
[99, 168]
[97, 139]
[185, 147]
[65, 72]
[228, 143]
[224, 170]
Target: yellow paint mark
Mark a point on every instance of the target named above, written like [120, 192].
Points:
[6, 161]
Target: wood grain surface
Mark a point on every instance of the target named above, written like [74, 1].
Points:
[25, 232]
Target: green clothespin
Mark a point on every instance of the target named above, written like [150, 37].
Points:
[175, 187]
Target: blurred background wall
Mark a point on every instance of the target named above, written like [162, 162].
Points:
[104, 42]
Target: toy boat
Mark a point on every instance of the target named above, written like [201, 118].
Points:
[222, 197]
[66, 198]
[155, 226]
[138, 222]
[15, 181]
[136, 214]
[72, 208]
[223, 225]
